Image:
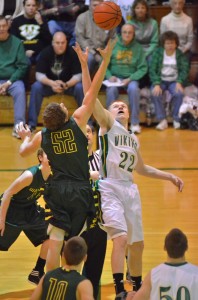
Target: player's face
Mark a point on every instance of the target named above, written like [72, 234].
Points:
[119, 110]
[59, 43]
[64, 109]
[89, 135]
[30, 8]
[140, 11]
[127, 34]
[3, 30]
[177, 6]
[43, 159]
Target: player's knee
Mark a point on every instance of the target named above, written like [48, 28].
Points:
[117, 234]
[136, 247]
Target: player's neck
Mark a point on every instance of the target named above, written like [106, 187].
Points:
[124, 123]
[73, 268]
[46, 171]
[179, 260]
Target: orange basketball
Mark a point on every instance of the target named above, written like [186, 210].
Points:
[107, 15]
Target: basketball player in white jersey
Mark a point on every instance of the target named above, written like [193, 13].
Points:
[174, 279]
[121, 205]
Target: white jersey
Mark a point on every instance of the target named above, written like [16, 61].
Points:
[174, 282]
[118, 153]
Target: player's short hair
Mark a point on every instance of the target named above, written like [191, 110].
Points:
[39, 153]
[144, 3]
[75, 250]
[169, 36]
[176, 243]
[54, 116]
[91, 127]
[119, 100]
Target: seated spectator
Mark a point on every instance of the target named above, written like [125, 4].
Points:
[128, 64]
[13, 67]
[58, 71]
[146, 28]
[66, 280]
[88, 34]
[32, 29]
[63, 15]
[175, 277]
[169, 70]
[10, 9]
[180, 23]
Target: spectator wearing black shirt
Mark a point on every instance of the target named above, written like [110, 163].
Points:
[32, 29]
[58, 71]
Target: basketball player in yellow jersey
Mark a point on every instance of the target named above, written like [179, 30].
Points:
[121, 205]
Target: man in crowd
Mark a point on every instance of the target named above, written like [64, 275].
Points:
[88, 34]
[32, 29]
[57, 72]
[13, 67]
[127, 66]
[62, 16]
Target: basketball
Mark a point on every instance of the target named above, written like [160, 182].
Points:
[107, 15]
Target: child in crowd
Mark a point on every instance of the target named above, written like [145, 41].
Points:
[169, 70]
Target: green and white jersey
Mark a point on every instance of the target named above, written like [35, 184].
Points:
[174, 282]
[118, 152]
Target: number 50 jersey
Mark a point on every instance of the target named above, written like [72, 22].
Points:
[174, 281]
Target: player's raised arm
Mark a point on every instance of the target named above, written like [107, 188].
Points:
[83, 113]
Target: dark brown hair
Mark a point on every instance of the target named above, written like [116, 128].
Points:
[54, 116]
[176, 243]
[75, 250]
[143, 2]
[169, 36]
[40, 153]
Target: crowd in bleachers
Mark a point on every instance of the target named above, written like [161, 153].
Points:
[139, 60]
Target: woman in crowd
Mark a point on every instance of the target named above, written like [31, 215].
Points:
[146, 28]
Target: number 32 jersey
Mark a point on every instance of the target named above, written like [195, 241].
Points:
[118, 152]
[174, 282]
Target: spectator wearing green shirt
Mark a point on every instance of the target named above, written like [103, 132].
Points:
[128, 63]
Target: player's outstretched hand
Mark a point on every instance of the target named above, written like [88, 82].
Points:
[178, 182]
[82, 55]
[107, 51]
[23, 130]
